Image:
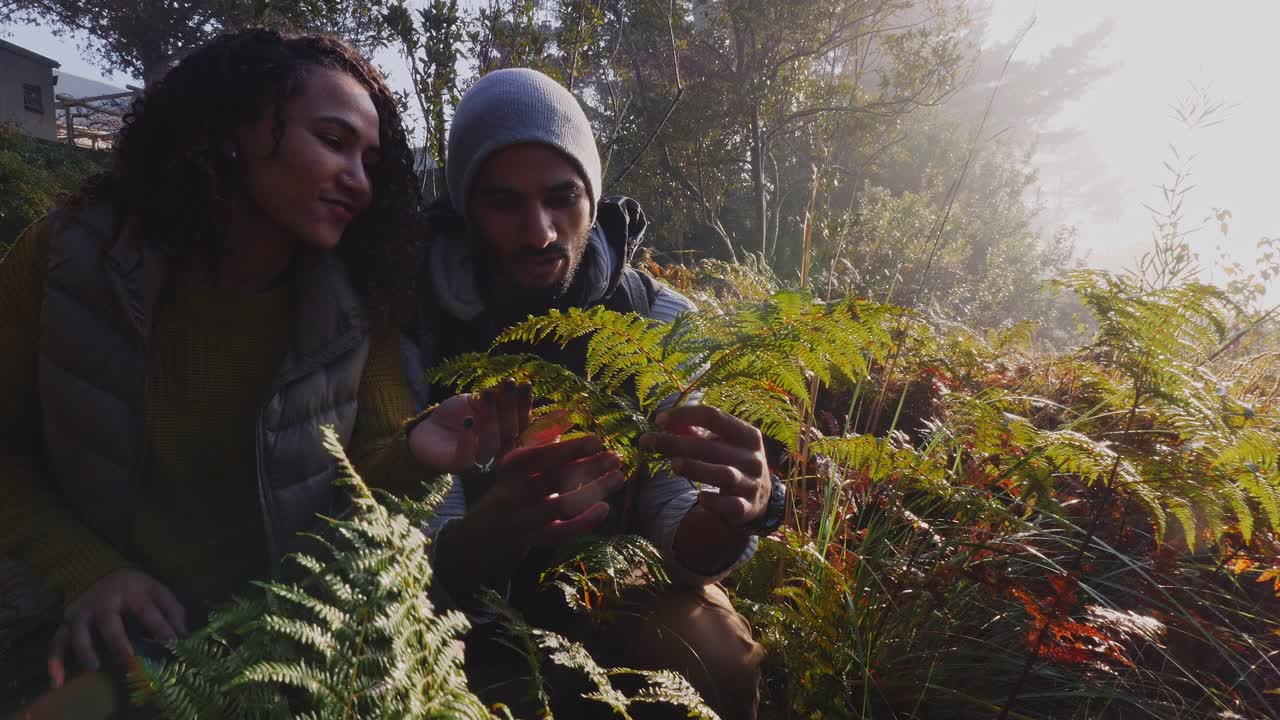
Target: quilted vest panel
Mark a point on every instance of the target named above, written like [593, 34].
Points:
[95, 324]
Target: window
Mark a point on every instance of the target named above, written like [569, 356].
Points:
[33, 98]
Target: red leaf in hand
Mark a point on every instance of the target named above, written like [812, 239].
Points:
[547, 428]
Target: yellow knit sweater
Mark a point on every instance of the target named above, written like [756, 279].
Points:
[198, 526]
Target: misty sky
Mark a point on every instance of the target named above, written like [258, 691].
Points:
[1159, 47]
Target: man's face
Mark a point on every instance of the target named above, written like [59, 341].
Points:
[531, 214]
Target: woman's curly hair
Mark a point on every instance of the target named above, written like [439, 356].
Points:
[174, 174]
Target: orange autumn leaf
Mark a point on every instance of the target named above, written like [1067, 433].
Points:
[547, 428]
[1056, 637]
[775, 388]
[1272, 575]
[1241, 566]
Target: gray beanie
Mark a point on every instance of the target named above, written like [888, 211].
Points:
[510, 107]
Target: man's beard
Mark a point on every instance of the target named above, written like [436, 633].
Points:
[506, 295]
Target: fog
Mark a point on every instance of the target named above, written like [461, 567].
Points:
[1159, 51]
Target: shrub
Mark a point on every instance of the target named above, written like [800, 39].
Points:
[33, 173]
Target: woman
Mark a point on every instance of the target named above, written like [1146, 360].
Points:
[174, 338]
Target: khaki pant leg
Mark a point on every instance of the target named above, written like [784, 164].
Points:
[696, 632]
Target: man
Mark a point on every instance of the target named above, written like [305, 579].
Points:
[526, 231]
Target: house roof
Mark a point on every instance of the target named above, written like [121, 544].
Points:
[75, 86]
[23, 52]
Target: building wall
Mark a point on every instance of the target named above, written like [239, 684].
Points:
[25, 81]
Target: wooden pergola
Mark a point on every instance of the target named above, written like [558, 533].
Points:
[93, 121]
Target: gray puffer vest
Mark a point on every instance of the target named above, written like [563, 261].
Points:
[100, 290]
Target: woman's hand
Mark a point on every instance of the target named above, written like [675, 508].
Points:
[470, 431]
[101, 609]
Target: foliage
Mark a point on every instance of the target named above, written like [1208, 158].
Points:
[355, 636]
[975, 528]
[506, 33]
[591, 571]
[33, 173]
[755, 362]
[430, 43]
[745, 127]
[1017, 526]
[731, 105]
[144, 40]
[655, 686]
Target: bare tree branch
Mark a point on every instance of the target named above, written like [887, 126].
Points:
[675, 57]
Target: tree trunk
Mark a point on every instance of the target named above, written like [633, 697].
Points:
[757, 180]
[155, 67]
[442, 138]
[723, 236]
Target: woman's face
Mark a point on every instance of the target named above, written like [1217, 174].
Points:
[311, 186]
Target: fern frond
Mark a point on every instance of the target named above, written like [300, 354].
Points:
[356, 637]
[333, 615]
[667, 687]
[303, 676]
[789, 337]
[760, 403]
[523, 639]
[1150, 334]
[622, 347]
[874, 458]
[318, 639]
[614, 417]
[1252, 461]
[597, 567]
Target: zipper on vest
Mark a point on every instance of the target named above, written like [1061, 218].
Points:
[144, 440]
[264, 493]
[266, 498]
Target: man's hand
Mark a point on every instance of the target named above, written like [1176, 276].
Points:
[102, 609]
[538, 494]
[712, 447]
[550, 493]
[471, 430]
